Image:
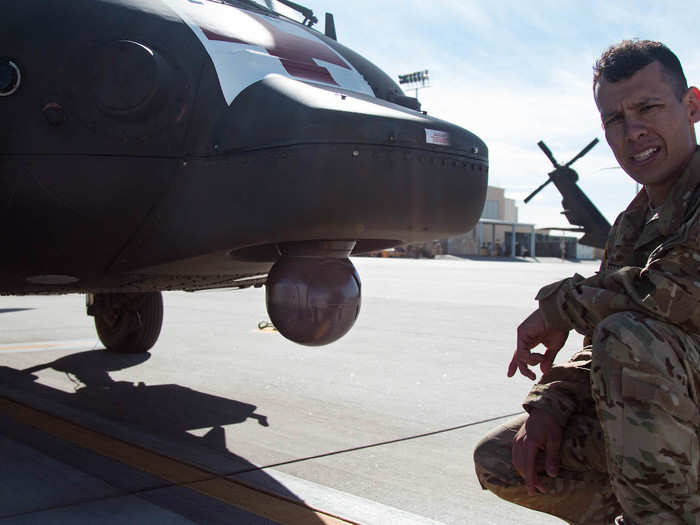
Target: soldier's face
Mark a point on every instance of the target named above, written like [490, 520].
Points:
[650, 131]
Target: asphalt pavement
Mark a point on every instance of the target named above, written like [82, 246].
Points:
[225, 422]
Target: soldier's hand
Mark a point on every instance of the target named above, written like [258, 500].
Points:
[532, 332]
[539, 432]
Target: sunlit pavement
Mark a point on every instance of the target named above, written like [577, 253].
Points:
[226, 423]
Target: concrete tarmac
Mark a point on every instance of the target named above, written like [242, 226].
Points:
[223, 422]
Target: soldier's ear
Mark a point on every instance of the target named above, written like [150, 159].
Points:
[692, 102]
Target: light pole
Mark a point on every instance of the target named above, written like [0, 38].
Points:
[416, 80]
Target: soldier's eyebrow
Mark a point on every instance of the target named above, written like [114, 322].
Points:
[645, 101]
[636, 105]
[608, 115]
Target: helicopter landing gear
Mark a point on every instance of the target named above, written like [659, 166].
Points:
[127, 322]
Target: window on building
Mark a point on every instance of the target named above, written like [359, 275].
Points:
[490, 210]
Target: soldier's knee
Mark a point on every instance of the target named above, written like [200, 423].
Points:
[483, 456]
[493, 460]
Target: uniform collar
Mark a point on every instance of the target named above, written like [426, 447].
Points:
[669, 216]
[673, 209]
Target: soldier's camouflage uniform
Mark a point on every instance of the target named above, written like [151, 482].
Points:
[629, 402]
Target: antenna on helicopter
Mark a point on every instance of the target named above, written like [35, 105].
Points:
[578, 209]
[557, 166]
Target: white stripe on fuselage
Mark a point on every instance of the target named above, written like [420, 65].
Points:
[248, 59]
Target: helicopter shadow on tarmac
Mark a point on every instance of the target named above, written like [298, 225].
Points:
[156, 417]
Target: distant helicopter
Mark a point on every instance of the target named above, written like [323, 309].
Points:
[578, 209]
[151, 145]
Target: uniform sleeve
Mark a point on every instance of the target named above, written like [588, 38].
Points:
[563, 390]
[667, 288]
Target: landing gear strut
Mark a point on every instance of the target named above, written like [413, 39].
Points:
[127, 322]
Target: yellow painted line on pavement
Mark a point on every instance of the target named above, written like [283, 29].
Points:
[272, 506]
[41, 346]
[5, 348]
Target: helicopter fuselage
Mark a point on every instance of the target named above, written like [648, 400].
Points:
[182, 144]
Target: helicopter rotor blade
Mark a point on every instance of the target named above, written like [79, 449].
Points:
[547, 152]
[582, 152]
[529, 197]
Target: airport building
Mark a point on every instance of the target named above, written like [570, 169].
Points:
[498, 232]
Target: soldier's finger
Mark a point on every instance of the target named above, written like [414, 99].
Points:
[516, 459]
[519, 356]
[531, 480]
[513, 366]
[551, 459]
[548, 358]
[536, 358]
[524, 370]
[547, 361]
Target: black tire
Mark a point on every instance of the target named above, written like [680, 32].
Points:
[129, 323]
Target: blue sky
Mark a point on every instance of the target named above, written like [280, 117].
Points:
[516, 73]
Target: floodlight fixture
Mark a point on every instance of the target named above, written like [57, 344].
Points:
[416, 80]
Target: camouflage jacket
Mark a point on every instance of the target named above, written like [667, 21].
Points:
[651, 265]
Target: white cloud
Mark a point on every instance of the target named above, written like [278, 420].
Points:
[515, 73]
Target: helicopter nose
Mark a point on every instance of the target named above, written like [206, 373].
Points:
[279, 111]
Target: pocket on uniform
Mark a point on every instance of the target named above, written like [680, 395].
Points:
[661, 433]
[653, 389]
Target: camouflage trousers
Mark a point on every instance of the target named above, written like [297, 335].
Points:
[640, 454]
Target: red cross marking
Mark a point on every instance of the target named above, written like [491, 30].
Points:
[296, 53]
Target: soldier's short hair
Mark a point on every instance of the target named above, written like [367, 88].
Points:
[623, 60]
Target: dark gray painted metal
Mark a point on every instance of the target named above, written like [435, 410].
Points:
[122, 166]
